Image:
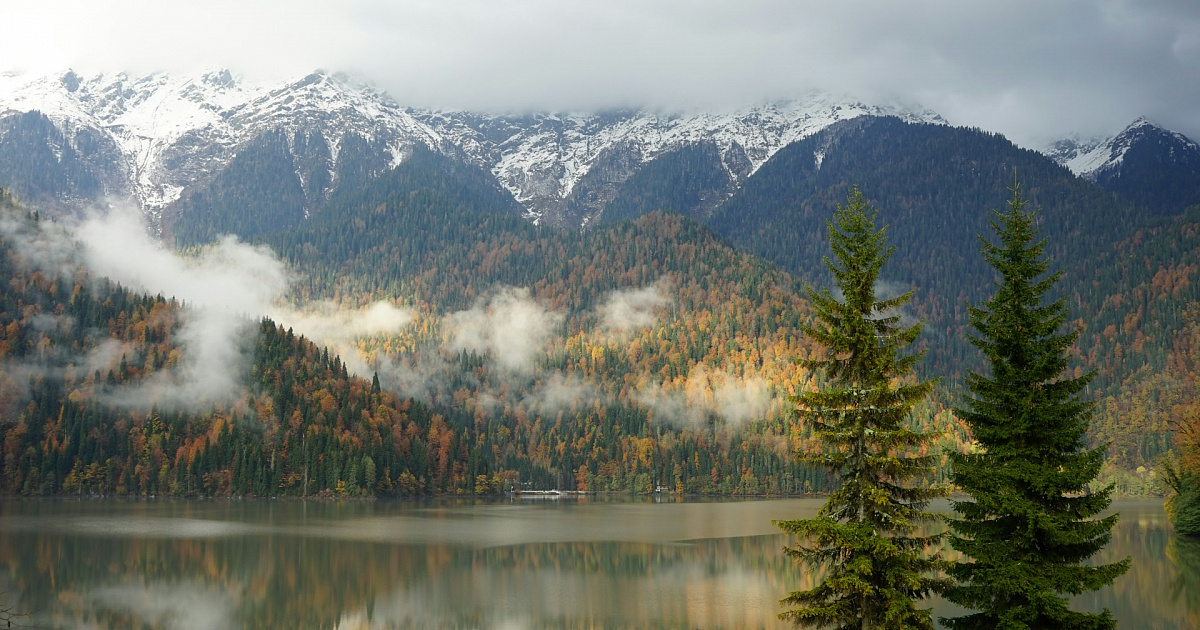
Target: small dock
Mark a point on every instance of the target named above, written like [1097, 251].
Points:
[548, 494]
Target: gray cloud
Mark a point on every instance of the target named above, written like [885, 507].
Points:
[327, 323]
[1026, 68]
[560, 392]
[337, 328]
[225, 288]
[419, 376]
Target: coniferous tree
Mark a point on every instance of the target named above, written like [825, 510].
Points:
[863, 536]
[1030, 522]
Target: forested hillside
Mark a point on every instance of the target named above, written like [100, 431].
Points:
[1128, 312]
[1142, 333]
[934, 186]
[691, 180]
[43, 166]
[75, 348]
[602, 409]
[704, 361]
[632, 355]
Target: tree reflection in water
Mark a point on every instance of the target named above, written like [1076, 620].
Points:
[195, 566]
[1184, 551]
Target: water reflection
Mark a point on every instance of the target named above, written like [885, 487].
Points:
[183, 606]
[1184, 553]
[222, 564]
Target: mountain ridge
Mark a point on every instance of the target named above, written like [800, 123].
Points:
[1145, 163]
[163, 134]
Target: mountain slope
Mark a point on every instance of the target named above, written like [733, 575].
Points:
[689, 180]
[75, 351]
[1145, 164]
[933, 186]
[658, 402]
[55, 171]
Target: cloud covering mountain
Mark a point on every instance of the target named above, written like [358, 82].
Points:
[1031, 70]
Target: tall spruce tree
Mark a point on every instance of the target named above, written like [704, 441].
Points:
[1030, 522]
[876, 568]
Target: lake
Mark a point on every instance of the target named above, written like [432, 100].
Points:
[511, 564]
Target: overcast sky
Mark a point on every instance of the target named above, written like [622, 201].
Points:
[1025, 68]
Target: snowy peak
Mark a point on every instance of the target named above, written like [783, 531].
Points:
[546, 160]
[173, 131]
[1093, 158]
[165, 134]
[1066, 150]
[1150, 166]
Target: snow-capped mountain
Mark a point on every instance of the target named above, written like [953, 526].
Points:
[153, 138]
[172, 132]
[544, 160]
[1144, 163]
[1092, 157]
[1073, 151]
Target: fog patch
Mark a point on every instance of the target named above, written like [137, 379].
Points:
[48, 322]
[336, 328]
[45, 245]
[706, 395]
[417, 376]
[325, 323]
[226, 286]
[511, 328]
[562, 392]
[630, 309]
[105, 356]
[886, 290]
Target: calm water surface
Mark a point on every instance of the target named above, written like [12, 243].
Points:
[515, 564]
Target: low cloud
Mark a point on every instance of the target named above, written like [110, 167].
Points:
[105, 356]
[510, 327]
[225, 288]
[46, 245]
[326, 324]
[420, 375]
[705, 395]
[562, 392]
[629, 309]
[886, 290]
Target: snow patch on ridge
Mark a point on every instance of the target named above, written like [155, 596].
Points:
[541, 158]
